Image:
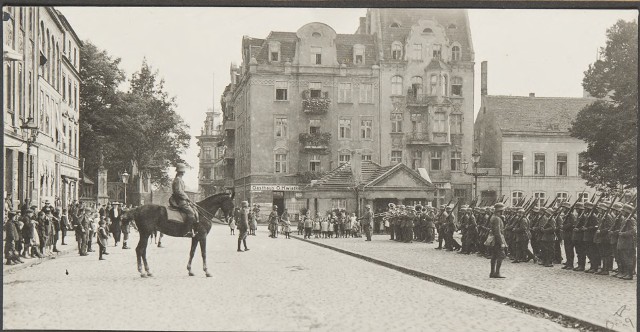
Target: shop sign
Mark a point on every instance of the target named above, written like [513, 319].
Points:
[298, 195]
[274, 187]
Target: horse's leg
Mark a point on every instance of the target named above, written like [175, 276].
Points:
[144, 255]
[203, 250]
[139, 252]
[194, 244]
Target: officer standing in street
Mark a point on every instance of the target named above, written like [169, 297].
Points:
[243, 226]
[367, 222]
[627, 242]
[496, 224]
[578, 237]
[273, 221]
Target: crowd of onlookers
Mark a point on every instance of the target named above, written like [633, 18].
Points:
[31, 231]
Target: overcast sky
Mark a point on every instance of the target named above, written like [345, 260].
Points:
[540, 51]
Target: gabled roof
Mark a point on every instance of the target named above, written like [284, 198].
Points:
[516, 114]
[436, 64]
[372, 174]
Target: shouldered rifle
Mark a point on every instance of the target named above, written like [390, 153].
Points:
[595, 206]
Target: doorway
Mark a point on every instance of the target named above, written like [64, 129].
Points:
[278, 200]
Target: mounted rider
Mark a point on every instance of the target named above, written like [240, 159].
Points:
[179, 200]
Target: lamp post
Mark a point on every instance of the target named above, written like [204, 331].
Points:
[125, 180]
[30, 131]
[475, 157]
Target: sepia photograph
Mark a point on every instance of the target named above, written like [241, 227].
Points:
[270, 168]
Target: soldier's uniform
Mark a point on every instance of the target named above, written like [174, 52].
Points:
[578, 237]
[450, 229]
[557, 243]
[568, 225]
[548, 228]
[430, 226]
[613, 236]
[509, 235]
[521, 231]
[602, 238]
[440, 227]
[497, 230]
[463, 229]
[591, 224]
[627, 242]
[535, 233]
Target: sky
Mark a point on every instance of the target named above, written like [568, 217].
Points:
[541, 51]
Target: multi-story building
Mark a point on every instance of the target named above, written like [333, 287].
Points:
[300, 103]
[526, 148]
[209, 154]
[41, 105]
[426, 85]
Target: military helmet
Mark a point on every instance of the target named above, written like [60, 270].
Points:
[579, 206]
[180, 167]
[521, 210]
[589, 205]
[498, 207]
[603, 205]
[628, 208]
[418, 207]
[617, 206]
[536, 209]
[548, 211]
[244, 204]
[566, 205]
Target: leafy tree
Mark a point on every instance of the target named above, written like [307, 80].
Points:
[609, 125]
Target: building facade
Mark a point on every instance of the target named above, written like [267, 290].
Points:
[399, 90]
[426, 84]
[526, 147]
[209, 176]
[41, 91]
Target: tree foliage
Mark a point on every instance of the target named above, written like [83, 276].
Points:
[139, 125]
[609, 126]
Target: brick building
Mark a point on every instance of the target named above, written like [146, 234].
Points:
[42, 89]
[526, 147]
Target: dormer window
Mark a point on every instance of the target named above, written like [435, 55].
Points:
[274, 52]
[316, 35]
[358, 54]
[316, 55]
[395, 25]
[396, 50]
[455, 53]
[427, 31]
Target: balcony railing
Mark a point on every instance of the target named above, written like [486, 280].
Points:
[418, 138]
[422, 99]
[315, 141]
[316, 105]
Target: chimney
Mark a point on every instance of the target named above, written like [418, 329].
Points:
[483, 78]
[356, 166]
[362, 29]
[532, 94]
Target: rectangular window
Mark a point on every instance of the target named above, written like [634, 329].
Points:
[455, 160]
[396, 122]
[366, 157]
[561, 165]
[281, 163]
[439, 122]
[344, 158]
[517, 164]
[281, 128]
[339, 203]
[456, 86]
[460, 193]
[316, 55]
[583, 197]
[538, 164]
[282, 89]
[417, 52]
[344, 131]
[344, 92]
[540, 196]
[516, 197]
[315, 89]
[416, 160]
[396, 157]
[437, 51]
[359, 55]
[456, 123]
[440, 195]
[64, 88]
[314, 126]
[314, 163]
[366, 93]
[561, 198]
[366, 129]
[436, 160]
[433, 85]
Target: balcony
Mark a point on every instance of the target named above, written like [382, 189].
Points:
[418, 138]
[315, 141]
[229, 125]
[315, 105]
[424, 99]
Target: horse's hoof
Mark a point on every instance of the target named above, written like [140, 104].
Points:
[209, 275]
[191, 274]
[144, 275]
[149, 274]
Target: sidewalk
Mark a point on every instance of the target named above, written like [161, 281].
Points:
[587, 297]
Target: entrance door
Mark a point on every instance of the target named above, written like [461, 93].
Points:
[278, 200]
[21, 192]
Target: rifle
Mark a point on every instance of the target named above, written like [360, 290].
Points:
[595, 206]
[442, 211]
[553, 202]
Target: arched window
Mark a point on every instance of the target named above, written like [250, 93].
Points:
[416, 85]
[455, 53]
[445, 85]
[396, 85]
[395, 25]
[427, 30]
[396, 50]
[316, 35]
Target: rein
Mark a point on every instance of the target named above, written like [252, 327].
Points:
[211, 215]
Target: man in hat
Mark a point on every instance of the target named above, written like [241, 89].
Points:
[590, 227]
[12, 237]
[601, 238]
[440, 222]
[181, 201]
[569, 223]
[520, 232]
[450, 229]
[496, 224]
[578, 236]
[547, 227]
[464, 218]
[367, 222]
[243, 225]
[627, 239]
[81, 226]
[47, 208]
[613, 236]
[273, 222]
[115, 216]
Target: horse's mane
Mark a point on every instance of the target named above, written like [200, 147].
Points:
[214, 197]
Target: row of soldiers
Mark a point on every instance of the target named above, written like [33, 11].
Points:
[602, 231]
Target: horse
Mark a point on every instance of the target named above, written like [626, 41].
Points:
[151, 218]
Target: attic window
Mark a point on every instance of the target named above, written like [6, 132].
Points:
[274, 52]
[427, 30]
[358, 54]
[452, 26]
[395, 25]
[316, 35]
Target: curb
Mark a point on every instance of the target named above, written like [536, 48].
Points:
[9, 269]
[473, 290]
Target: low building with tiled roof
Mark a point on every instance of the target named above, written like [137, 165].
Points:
[526, 147]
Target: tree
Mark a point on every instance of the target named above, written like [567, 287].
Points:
[609, 125]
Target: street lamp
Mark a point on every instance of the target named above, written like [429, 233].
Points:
[475, 157]
[30, 131]
[125, 180]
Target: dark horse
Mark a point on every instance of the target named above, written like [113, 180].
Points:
[151, 218]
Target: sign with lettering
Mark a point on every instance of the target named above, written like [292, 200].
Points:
[276, 187]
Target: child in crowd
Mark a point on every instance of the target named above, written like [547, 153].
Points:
[102, 238]
[287, 227]
[324, 227]
[300, 226]
[308, 224]
[350, 225]
[316, 227]
[232, 225]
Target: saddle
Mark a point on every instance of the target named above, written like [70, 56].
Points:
[175, 214]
